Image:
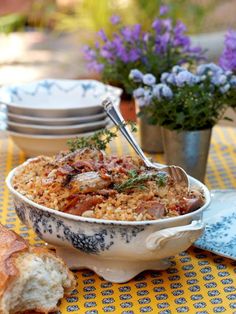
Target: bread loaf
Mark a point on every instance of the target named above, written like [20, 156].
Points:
[30, 278]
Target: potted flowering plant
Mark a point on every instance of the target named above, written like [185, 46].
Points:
[228, 57]
[156, 50]
[187, 105]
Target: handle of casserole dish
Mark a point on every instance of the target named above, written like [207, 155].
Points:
[186, 234]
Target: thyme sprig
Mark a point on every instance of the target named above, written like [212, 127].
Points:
[136, 181]
[99, 139]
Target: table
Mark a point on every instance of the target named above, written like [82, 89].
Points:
[197, 282]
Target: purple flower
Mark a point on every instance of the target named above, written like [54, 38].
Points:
[97, 67]
[123, 55]
[106, 53]
[157, 25]
[164, 77]
[180, 39]
[167, 25]
[139, 92]
[219, 79]
[136, 31]
[179, 28]
[146, 37]
[230, 39]
[195, 50]
[136, 76]
[166, 92]
[162, 42]
[127, 33]
[102, 35]
[130, 46]
[207, 68]
[119, 50]
[143, 97]
[147, 97]
[186, 77]
[162, 91]
[171, 79]
[177, 69]
[228, 58]
[89, 54]
[115, 19]
[228, 73]
[141, 102]
[164, 9]
[157, 91]
[116, 43]
[149, 79]
[110, 44]
[131, 33]
[133, 55]
[224, 89]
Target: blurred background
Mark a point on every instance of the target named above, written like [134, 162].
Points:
[44, 38]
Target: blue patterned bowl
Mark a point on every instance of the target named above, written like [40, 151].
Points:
[116, 250]
[53, 98]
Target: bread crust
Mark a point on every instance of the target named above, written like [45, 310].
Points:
[11, 247]
[11, 244]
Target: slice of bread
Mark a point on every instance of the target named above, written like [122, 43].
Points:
[30, 278]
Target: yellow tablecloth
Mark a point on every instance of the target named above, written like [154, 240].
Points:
[197, 282]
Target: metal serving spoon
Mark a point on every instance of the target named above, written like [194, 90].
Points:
[177, 173]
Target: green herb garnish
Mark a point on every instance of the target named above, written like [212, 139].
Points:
[136, 181]
[162, 179]
[98, 140]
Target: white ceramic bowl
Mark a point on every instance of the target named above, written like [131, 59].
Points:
[35, 145]
[116, 250]
[55, 121]
[56, 130]
[52, 98]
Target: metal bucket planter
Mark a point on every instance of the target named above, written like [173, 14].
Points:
[187, 149]
[150, 137]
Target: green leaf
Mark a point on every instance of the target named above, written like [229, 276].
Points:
[138, 181]
[98, 140]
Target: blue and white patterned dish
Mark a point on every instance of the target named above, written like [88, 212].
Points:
[220, 218]
[115, 250]
[55, 121]
[58, 98]
[57, 130]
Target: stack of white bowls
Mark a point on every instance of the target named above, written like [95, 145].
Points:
[43, 115]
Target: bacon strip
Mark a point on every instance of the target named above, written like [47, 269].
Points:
[79, 207]
[153, 208]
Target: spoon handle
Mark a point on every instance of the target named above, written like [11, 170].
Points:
[118, 120]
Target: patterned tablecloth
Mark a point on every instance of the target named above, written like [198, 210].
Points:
[197, 282]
